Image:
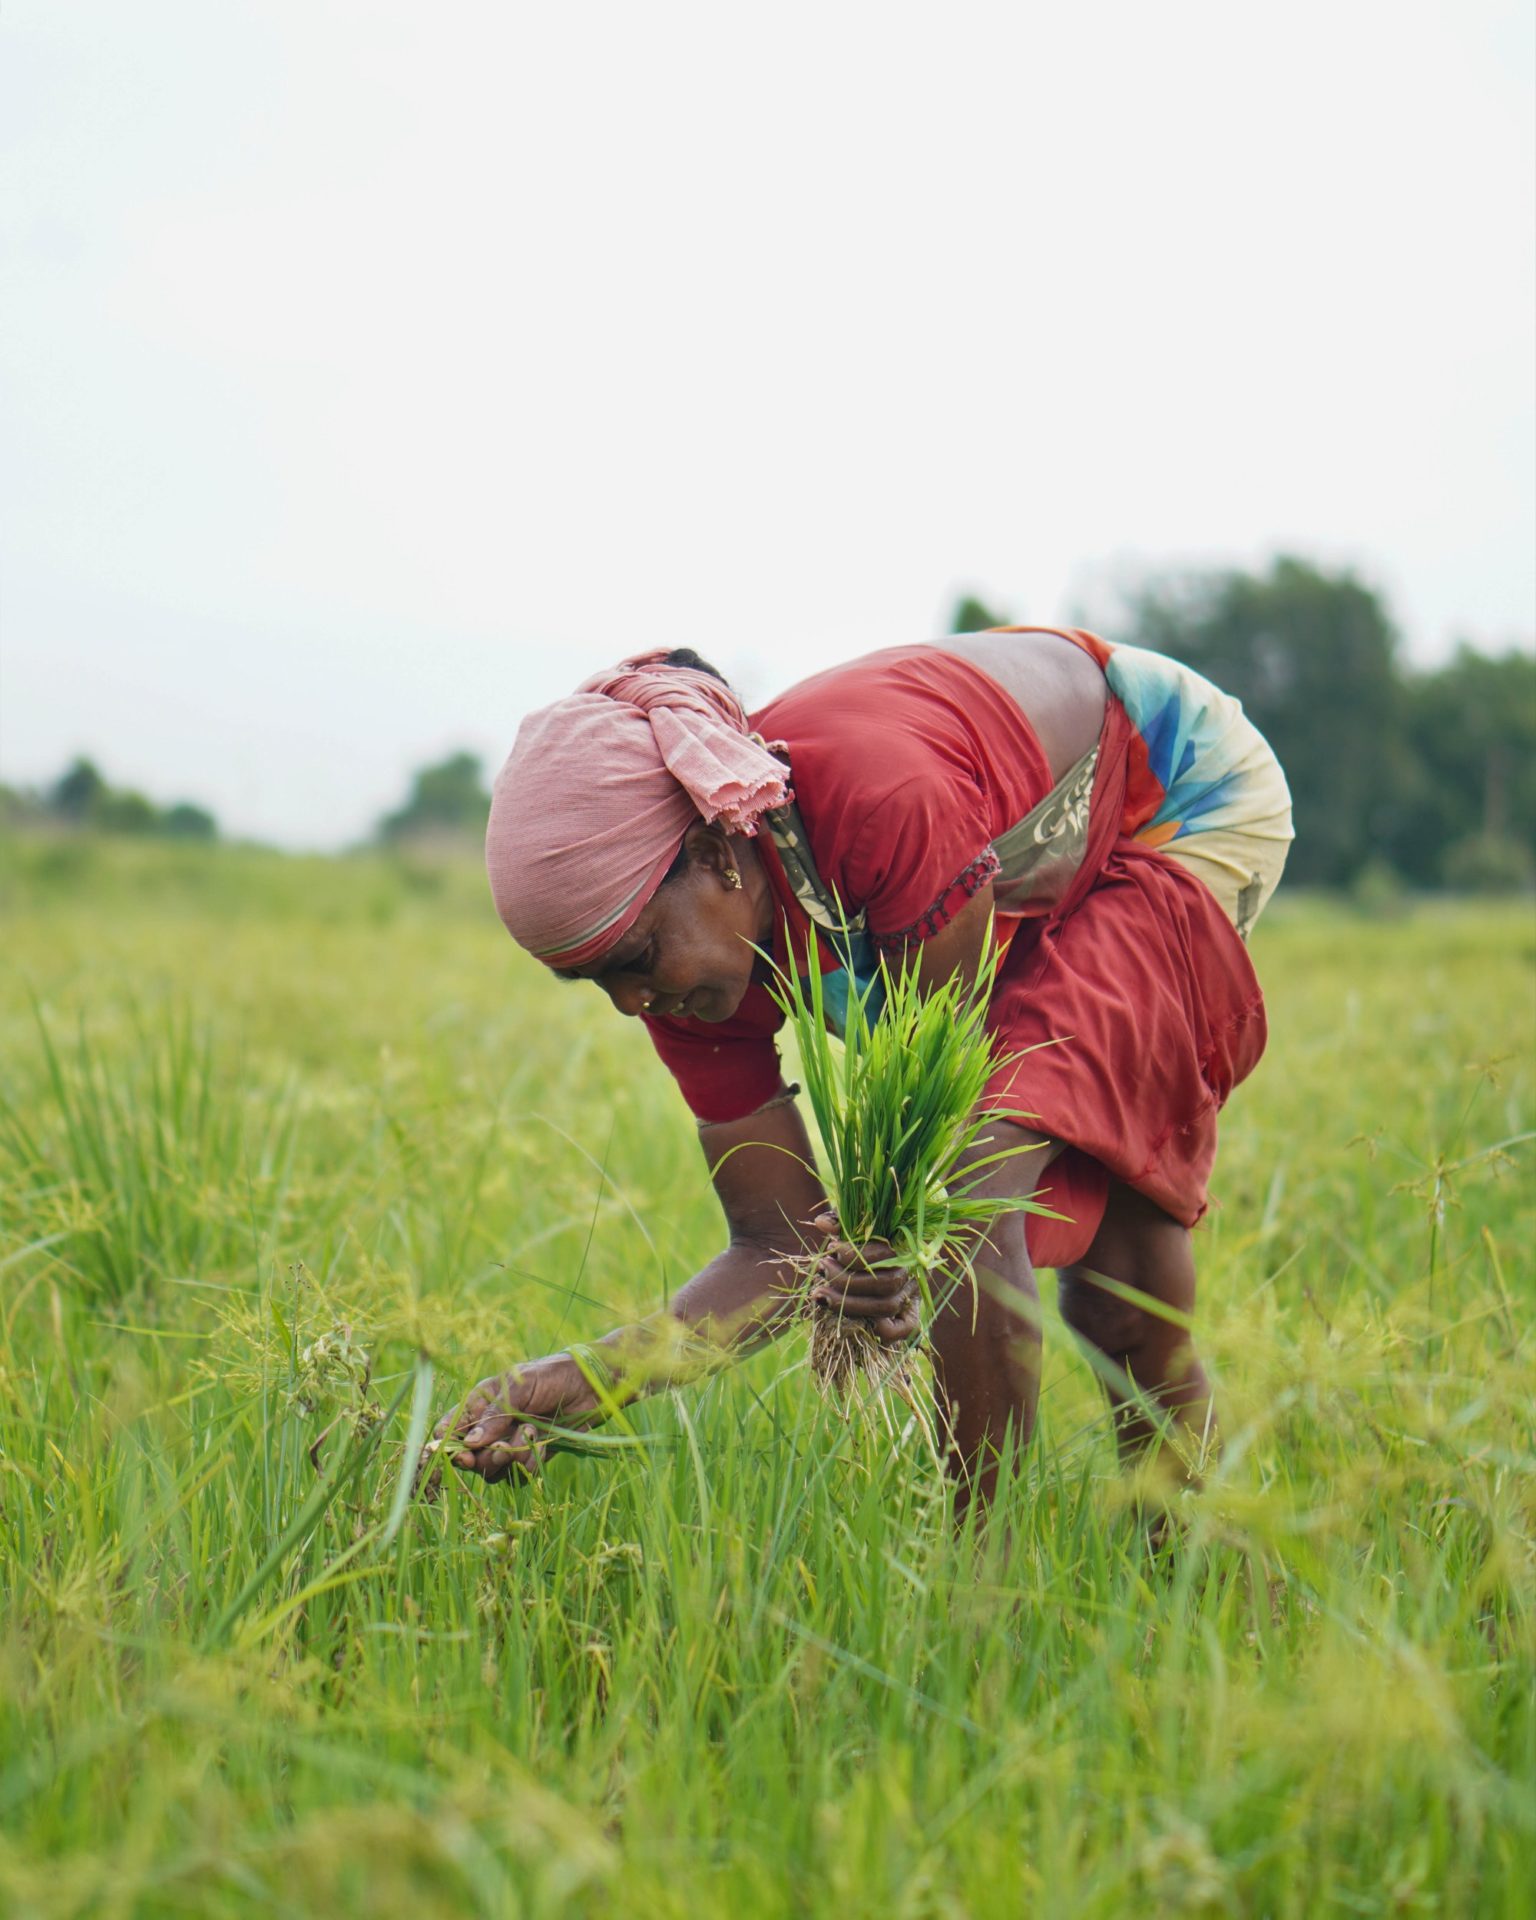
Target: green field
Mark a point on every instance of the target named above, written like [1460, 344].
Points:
[260, 1118]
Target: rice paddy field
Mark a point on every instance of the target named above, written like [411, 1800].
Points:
[291, 1151]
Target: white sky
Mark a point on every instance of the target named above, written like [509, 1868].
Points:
[371, 372]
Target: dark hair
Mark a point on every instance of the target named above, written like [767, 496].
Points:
[677, 869]
[686, 657]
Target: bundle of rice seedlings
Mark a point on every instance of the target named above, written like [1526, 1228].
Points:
[898, 1108]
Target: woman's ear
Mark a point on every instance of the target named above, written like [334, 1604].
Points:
[710, 848]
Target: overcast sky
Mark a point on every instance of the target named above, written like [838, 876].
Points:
[372, 372]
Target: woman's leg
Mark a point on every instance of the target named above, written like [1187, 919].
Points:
[1153, 1370]
[986, 1334]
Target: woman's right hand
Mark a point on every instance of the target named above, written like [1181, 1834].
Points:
[867, 1283]
[496, 1430]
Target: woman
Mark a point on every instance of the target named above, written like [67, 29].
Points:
[1110, 812]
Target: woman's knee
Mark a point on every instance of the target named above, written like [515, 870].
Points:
[1140, 1248]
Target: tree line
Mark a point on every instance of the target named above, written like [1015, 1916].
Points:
[83, 798]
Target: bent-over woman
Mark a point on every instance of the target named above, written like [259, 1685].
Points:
[1109, 812]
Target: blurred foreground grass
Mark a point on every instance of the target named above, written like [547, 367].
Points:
[270, 1130]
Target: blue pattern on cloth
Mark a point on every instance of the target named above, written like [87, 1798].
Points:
[860, 972]
[1201, 750]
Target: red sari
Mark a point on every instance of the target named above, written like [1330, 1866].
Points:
[1127, 1010]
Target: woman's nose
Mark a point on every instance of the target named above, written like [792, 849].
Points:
[630, 996]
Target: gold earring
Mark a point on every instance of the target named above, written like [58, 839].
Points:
[732, 877]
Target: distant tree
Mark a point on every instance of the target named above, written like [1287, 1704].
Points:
[120, 810]
[18, 806]
[974, 616]
[1471, 817]
[78, 792]
[1488, 863]
[446, 799]
[186, 822]
[1312, 656]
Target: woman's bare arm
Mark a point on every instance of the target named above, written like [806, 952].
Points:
[764, 1175]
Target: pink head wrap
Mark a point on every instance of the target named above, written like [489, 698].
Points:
[599, 789]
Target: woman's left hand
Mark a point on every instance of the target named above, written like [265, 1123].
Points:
[500, 1427]
[866, 1283]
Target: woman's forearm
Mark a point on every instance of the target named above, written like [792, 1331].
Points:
[746, 1295]
[764, 1175]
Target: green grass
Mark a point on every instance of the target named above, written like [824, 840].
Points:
[272, 1131]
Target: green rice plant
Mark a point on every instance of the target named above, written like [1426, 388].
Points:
[149, 1167]
[898, 1103]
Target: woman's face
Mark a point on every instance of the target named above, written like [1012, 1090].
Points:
[691, 950]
